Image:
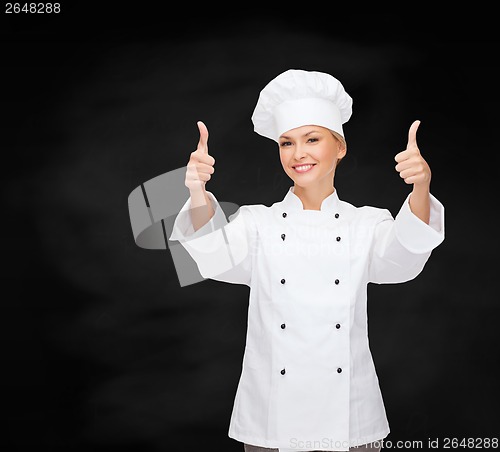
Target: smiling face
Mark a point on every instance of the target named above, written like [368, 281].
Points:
[309, 155]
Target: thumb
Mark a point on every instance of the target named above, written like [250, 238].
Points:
[412, 134]
[203, 143]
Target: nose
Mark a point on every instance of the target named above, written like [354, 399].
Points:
[299, 152]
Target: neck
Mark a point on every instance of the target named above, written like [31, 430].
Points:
[312, 197]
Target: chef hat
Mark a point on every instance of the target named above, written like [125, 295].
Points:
[297, 98]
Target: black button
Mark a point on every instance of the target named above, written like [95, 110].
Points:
[282, 281]
[283, 326]
[337, 325]
[282, 371]
[284, 214]
[337, 281]
[337, 215]
[339, 370]
[338, 239]
[283, 236]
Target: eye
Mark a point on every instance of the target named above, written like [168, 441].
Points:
[285, 143]
[312, 140]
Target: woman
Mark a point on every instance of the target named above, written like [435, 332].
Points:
[308, 381]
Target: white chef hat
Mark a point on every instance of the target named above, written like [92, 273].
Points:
[297, 98]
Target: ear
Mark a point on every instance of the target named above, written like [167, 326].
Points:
[342, 151]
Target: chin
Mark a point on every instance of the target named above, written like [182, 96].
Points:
[302, 180]
[304, 184]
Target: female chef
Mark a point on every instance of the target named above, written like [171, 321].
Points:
[308, 381]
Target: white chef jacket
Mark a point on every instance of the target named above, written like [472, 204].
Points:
[308, 380]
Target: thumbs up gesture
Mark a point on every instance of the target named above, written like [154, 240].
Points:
[201, 165]
[411, 165]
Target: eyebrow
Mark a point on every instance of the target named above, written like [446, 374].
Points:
[305, 135]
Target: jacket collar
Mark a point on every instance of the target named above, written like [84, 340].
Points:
[292, 202]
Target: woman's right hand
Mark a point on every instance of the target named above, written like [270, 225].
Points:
[201, 165]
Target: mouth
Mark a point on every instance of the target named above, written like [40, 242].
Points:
[303, 168]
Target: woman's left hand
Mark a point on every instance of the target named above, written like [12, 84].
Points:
[411, 165]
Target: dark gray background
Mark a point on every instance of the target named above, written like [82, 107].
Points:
[102, 349]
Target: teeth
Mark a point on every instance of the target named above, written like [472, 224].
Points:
[303, 167]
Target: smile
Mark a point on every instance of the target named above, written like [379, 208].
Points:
[303, 168]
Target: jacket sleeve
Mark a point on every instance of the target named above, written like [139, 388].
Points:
[222, 249]
[402, 246]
